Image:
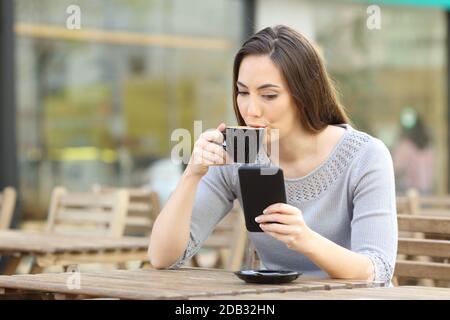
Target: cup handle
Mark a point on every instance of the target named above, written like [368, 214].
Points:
[224, 143]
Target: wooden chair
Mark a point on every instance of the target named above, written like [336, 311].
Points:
[7, 205]
[87, 213]
[228, 240]
[425, 206]
[428, 254]
[143, 208]
[407, 204]
[429, 205]
[82, 214]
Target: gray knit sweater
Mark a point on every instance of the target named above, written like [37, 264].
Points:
[349, 199]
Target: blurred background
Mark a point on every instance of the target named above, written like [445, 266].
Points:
[98, 105]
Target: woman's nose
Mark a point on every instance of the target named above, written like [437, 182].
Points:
[253, 109]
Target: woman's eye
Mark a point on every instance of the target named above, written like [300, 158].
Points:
[269, 96]
[242, 93]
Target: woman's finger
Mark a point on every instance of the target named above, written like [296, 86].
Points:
[215, 136]
[211, 158]
[218, 151]
[215, 148]
[276, 217]
[281, 208]
[277, 228]
[221, 127]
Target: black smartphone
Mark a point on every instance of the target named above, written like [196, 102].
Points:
[260, 188]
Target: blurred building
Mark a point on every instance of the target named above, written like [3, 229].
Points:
[98, 104]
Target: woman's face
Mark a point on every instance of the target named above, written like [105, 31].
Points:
[263, 97]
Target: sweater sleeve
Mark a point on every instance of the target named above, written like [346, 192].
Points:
[213, 200]
[374, 221]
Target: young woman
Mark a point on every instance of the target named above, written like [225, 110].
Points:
[341, 216]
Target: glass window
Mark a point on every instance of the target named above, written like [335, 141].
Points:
[98, 104]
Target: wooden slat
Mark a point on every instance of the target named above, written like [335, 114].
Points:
[425, 247]
[96, 216]
[7, 206]
[139, 193]
[83, 231]
[427, 270]
[440, 201]
[440, 225]
[25, 242]
[95, 257]
[391, 293]
[138, 207]
[139, 222]
[87, 200]
[135, 194]
[436, 212]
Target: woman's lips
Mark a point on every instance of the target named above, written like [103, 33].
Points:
[254, 125]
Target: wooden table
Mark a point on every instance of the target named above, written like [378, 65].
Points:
[196, 283]
[52, 249]
[188, 283]
[375, 293]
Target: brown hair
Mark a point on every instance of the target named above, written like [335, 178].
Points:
[304, 72]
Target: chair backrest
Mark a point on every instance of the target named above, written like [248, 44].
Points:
[7, 205]
[87, 213]
[434, 253]
[143, 208]
[403, 204]
[429, 205]
[415, 204]
[229, 238]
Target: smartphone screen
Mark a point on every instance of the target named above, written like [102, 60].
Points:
[259, 191]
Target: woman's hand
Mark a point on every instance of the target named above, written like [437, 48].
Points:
[208, 151]
[290, 229]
